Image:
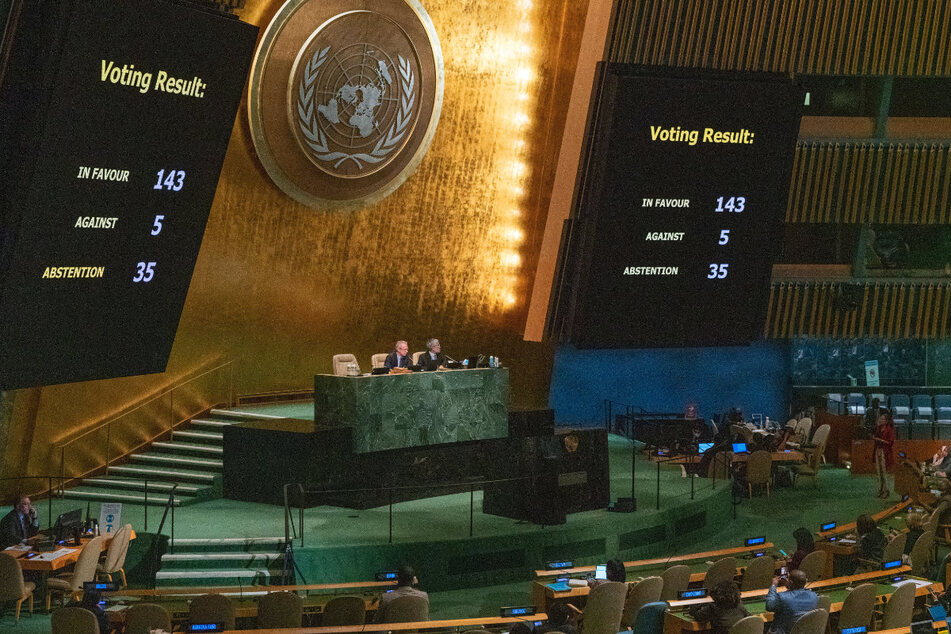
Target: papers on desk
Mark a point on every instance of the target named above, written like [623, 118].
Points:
[846, 540]
[919, 583]
[19, 547]
[56, 554]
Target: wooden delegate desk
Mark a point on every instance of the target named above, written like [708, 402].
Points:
[779, 457]
[837, 551]
[394, 411]
[446, 624]
[543, 593]
[677, 620]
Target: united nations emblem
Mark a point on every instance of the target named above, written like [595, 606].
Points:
[344, 101]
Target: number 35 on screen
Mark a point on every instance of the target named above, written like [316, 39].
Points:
[717, 271]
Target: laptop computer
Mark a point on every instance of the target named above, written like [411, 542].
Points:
[704, 447]
[601, 572]
[740, 447]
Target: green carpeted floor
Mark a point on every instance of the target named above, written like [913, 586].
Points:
[840, 497]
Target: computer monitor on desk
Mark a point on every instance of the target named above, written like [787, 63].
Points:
[66, 523]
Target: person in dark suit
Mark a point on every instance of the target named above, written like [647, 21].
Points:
[399, 358]
[20, 524]
[433, 358]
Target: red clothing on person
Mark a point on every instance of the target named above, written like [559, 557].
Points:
[887, 434]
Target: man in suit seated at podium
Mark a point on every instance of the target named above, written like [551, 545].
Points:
[399, 358]
[433, 358]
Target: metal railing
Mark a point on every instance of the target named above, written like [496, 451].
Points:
[139, 426]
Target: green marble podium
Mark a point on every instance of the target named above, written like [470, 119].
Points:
[420, 408]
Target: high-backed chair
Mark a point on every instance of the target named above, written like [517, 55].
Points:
[895, 547]
[212, 608]
[813, 565]
[942, 414]
[901, 409]
[825, 603]
[812, 622]
[407, 609]
[899, 607]
[759, 469]
[12, 586]
[142, 618]
[115, 555]
[344, 610]
[676, 579]
[922, 553]
[85, 570]
[722, 570]
[934, 520]
[650, 618]
[341, 361]
[810, 468]
[803, 430]
[856, 403]
[605, 606]
[641, 593]
[281, 609]
[416, 356]
[759, 573]
[921, 407]
[73, 621]
[376, 361]
[748, 625]
[857, 607]
[720, 466]
[820, 437]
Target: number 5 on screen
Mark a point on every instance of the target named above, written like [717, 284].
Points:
[724, 236]
[717, 271]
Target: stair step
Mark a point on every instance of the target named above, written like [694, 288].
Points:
[195, 546]
[212, 561]
[227, 576]
[188, 446]
[210, 424]
[163, 473]
[139, 485]
[106, 495]
[231, 413]
[203, 436]
[166, 459]
[229, 541]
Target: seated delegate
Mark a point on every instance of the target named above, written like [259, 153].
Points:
[399, 358]
[788, 606]
[433, 358]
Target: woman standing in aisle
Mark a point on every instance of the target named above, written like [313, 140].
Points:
[884, 440]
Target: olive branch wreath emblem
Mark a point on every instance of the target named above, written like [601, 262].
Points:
[314, 135]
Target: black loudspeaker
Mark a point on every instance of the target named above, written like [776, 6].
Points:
[533, 422]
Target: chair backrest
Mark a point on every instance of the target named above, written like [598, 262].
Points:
[341, 361]
[602, 612]
[921, 553]
[376, 361]
[759, 467]
[641, 593]
[824, 603]
[898, 608]
[895, 547]
[719, 467]
[74, 621]
[919, 401]
[212, 608]
[900, 400]
[85, 568]
[942, 400]
[416, 356]
[931, 524]
[676, 579]
[748, 625]
[117, 550]
[280, 609]
[803, 429]
[722, 570]
[650, 618]
[812, 622]
[408, 608]
[759, 573]
[857, 607]
[813, 564]
[821, 436]
[142, 618]
[11, 579]
[344, 610]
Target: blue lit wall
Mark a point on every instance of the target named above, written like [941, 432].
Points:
[754, 378]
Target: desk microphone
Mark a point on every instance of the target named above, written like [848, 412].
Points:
[449, 359]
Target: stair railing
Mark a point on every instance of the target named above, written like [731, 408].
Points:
[125, 422]
[170, 504]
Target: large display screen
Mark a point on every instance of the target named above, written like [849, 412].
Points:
[680, 209]
[120, 114]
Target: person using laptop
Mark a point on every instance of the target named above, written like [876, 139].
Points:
[20, 524]
[399, 358]
[433, 358]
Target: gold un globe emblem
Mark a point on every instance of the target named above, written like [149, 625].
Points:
[344, 100]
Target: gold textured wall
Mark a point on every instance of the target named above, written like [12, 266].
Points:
[279, 287]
